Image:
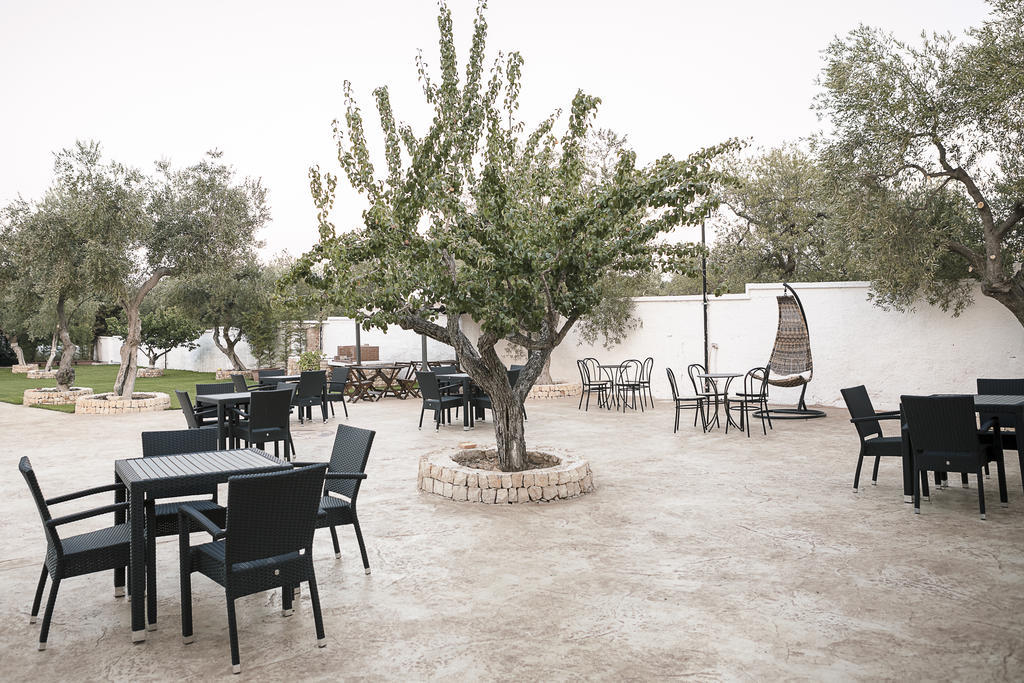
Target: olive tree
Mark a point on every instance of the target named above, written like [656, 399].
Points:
[480, 230]
[929, 139]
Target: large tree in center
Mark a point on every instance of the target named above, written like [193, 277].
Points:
[500, 230]
[929, 139]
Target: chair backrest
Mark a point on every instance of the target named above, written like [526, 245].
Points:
[859, 404]
[272, 513]
[791, 353]
[311, 383]
[351, 451]
[429, 389]
[513, 374]
[52, 538]
[693, 369]
[270, 409]
[218, 388]
[339, 379]
[265, 375]
[446, 369]
[629, 371]
[941, 424]
[672, 383]
[755, 382]
[238, 382]
[187, 409]
[1012, 387]
[593, 369]
[647, 369]
[174, 441]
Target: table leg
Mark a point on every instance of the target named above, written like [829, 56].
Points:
[466, 417]
[728, 415]
[222, 432]
[908, 467]
[138, 564]
[119, 518]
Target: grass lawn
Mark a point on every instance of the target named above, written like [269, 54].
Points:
[101, 378]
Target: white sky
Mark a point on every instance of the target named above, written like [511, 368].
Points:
[262, 80]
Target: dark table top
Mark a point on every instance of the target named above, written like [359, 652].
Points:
[998, 400]
[228, 399]
[173, 469]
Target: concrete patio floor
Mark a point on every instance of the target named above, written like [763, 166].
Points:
[705, 556]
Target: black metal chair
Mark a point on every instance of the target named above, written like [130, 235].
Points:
[707, 388]
[196, 419]
[873, 444]
[694, 403]
[430, 392]
[310, 392]
[628, 381]
[266, 544]
[944, 437]
[266, 420]
[645, 379]
[752, 401]
[590, 378]
[215, 388]
[1009, 430]
[93, 551]
[336, 388]
[345, 472]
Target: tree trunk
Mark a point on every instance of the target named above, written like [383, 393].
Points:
[227, 347]
[66, 372]
[1012, 297]
[124, 385]
[509, 434]
[545, 373]
[12, 339]
[53, 351]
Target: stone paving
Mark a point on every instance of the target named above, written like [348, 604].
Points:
[705, 556]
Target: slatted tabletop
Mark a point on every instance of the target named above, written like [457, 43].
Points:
[998, 401]
[230, 399]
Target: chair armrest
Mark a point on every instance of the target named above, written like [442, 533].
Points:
[887, 413]
[988, 424]
[875, 418]
[187, 512]
[83, 493]
[345, 475]
[86, 514]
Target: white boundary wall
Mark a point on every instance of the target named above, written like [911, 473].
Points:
[852, 341]
[206, 358]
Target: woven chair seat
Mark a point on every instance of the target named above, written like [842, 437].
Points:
[93, 551]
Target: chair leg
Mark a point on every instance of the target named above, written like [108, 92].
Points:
[675, 427]
[963, 480]
[290, 447]
[186, 593]
[856, 474]
[981, 491]
[45, 630]
[323, 410]
[344, 407]
[287, 595]
[236, 664]
[150, 568]
[918, 478]
[1001, 478]
[925, 491]
[422, 410]
[318, 619]
[874, 471]
[362, 546]
[334, 539]
[332, 407]
[39, 595]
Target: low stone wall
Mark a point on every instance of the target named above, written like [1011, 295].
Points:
[560, 390]
[99, 404]
[442, 476]
[24, 369]
[52, 397]
[42, 374]
[149, 372]
[248, 374]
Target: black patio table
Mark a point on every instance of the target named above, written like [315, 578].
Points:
[175, 475]
[466, 381]
[223, 401]
[983, 403]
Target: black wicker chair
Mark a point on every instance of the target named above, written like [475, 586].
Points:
[694, 403]
[1009, 430]
[266, 420]
[215, 388]
[433, 399]
[267, 377]
[345, 473]
[266, 544]
[93, 551]
[752, 401]
[944, 437]
[310, 392]
[873, 444]
[238, 384]
[336, 388]
[204, 418]
[480, 401]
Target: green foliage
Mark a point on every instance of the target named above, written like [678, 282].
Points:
[309, 360]
[164, 328]
[928, 155]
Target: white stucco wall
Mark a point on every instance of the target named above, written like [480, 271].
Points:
[206, 358]
[395, 345]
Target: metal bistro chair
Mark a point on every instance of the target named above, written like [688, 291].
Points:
[590, 378]
[93, 551]
[433, 399]
[753, 400]
[872, 442]
[645, 379]
[628, 381]
[944, 437]
[345, 473]
[266, 544]
[694, 403]
[196, 419]
[707, 388]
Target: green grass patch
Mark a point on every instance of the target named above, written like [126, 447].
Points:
[101, 379]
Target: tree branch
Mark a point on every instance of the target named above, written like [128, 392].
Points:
[1007, 224]
[972, 257]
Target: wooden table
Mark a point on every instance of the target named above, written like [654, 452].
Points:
[175, 475]
[367, 375]
[223, 401]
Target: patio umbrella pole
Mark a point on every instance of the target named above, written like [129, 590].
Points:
[359, 347]
[423, 347]
[704, 292]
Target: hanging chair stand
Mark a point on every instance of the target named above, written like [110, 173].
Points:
[796, 379]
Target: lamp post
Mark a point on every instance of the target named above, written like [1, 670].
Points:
[704, 292]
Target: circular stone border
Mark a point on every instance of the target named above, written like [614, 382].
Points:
[49, 396]
[42, 374]
[440, 475]
[559, 390]
[149, 372]
[24, 369]
[99, 404]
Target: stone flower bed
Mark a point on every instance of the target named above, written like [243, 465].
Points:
[559, 390]
[565, 476]
[24, 369]
[111, 404]
[149, 372]
[51, 396]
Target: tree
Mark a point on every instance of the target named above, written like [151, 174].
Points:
[164, 327]
[928, 142]
[479, 221]
[18, 299]
[780, 223]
